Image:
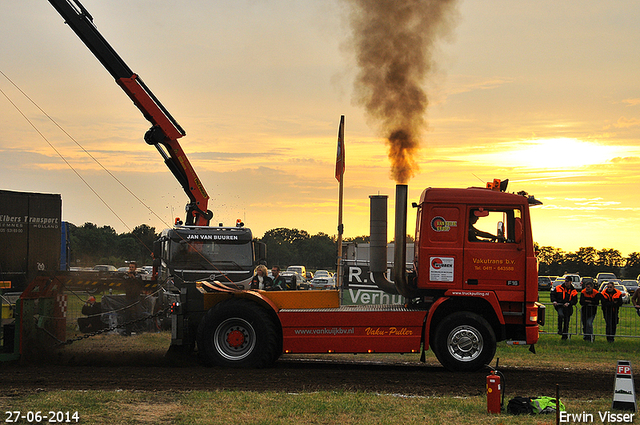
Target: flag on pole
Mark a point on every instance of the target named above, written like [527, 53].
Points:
[340, 166]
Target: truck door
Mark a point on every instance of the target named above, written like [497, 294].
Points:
[494, 255]
[440, 237]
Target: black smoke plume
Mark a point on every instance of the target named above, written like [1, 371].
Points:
[394, 44]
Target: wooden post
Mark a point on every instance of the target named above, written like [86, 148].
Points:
[557, 404]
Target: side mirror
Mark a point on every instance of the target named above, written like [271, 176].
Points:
[260, 251]
[157, 249]
[500, 232]
[518, 229]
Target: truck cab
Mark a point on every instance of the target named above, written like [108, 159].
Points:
[474, 250]
[193, 253]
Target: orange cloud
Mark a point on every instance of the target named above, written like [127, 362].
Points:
[624, 122]
[626, 159]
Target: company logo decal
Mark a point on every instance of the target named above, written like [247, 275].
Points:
[436, 263]
[441, 269]
[439, 224]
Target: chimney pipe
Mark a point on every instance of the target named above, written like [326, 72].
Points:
[378, 244]
[400, 244]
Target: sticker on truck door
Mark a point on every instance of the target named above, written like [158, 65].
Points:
[441, 269]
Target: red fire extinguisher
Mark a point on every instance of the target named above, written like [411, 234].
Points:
[494, 388]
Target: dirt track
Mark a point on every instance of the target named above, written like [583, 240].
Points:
[150, 372]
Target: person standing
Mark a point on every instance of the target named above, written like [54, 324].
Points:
[635, 301]
[611, 302]
[564, 298]
[261, 280]
[132, 299]
[93, 322]
[589, 300]
[279, 282]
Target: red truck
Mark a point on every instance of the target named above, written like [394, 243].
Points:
[470, 285]
[468, 289]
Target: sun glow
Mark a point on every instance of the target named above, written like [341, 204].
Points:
[561, 153]
[557, 154]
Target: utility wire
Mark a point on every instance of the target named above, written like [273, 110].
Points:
[84, 150]
[63, 158]
[95, 160]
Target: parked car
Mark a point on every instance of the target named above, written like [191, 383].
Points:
[300, 270]
[544, 283]
[620, 287]
[586, 279]
[559, 281]
[322, 283]
[575, 280]
[104, 268]
[322, 273]
[293, 279]
[601, 277]
[631, 285]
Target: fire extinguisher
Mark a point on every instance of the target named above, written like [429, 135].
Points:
[495, 390]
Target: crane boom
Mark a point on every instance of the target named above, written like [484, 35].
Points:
[165, 130]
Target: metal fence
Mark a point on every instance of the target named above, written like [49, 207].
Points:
[628, 325]
[115, 311]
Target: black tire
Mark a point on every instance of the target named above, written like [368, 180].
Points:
[237, 333]
[464, 341]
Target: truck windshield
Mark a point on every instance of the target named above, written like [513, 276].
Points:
[211, 254]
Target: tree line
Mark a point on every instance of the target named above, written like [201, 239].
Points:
[587, 261]
[90, 245]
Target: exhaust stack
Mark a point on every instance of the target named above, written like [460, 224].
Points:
[378, 243]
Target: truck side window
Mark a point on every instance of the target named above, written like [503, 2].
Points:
[493, 225]
[476, 234]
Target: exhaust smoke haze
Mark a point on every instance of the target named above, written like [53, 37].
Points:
[394, 42]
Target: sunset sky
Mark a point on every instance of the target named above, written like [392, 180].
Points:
[544, 93]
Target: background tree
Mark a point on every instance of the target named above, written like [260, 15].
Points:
[632, 265]
[550, 261]
[319, 252]
[357, 239]
[283, 245]
[610, 260]
[90, 245]
[144, 236]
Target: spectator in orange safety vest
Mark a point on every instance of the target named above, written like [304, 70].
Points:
[564, 298]
[611, 302]
[589, 300]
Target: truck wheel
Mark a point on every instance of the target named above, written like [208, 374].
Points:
[237, 333]
[464, 341]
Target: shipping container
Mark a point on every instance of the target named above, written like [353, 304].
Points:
[30, 235]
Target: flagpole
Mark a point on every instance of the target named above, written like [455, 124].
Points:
[340, 231]
[340, 166]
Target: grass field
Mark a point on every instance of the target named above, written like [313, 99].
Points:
[223, 407]
[325, 407]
